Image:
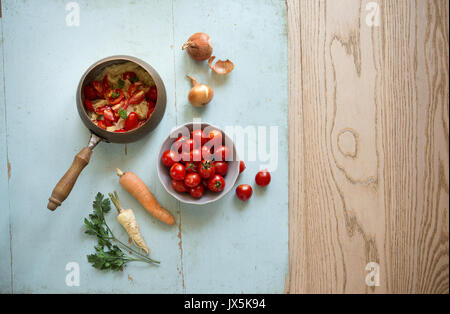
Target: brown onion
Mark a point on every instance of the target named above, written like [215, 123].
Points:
[200, 94]
[199, 46]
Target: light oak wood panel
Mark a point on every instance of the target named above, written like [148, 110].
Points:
[369, 146]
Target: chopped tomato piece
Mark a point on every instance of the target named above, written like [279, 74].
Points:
[114, 96]
[89, 105]
[120, 131]
[89, 92]
[108, 114]
[100, 110]
[98, 86]
[133, 88]
[101, 124]
[106, 84]
[152, 94]
[137, 98]
[128, 75]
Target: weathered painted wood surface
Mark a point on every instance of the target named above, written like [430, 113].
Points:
[224, 247]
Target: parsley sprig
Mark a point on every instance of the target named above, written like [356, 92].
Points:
[107, 254]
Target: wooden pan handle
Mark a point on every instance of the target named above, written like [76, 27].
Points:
[65, 185]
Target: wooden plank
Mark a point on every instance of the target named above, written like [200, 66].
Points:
[369, 146]
[231, 246]
[5, 247]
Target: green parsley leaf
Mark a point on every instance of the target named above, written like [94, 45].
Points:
[121, 83]
[134, 79]
[123, 113]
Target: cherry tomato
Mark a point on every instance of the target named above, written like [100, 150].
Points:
[169, 157]
[199, 136]
[101, 124]
[137, 98]
[189, 145]
[206, 169]
[179, 186]
[101, 109]
[177, 145]
[192, 179]
[244, 192]
[206, 153]
[195, 155]
[262, 178]
[132, 121]
[88, 104]
[222, 153]
[177, 171]
[114, 96]
[216, 183]
[191, 166]
[214, 138]
[241, 166]
[221, 167]
[152, 94]
[133, 88]
[99, 89]
[197, 191]
[186, 157]
[128, 75]
[89, 92]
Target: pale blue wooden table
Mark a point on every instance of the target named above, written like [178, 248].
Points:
[226, 247]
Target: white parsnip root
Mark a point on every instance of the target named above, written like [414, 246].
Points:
[127, 219]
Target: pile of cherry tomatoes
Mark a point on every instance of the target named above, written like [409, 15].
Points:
[198, 163]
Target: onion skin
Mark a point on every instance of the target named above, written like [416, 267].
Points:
[199, 46]
[200, 94]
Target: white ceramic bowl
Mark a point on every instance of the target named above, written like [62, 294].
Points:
[208, 197]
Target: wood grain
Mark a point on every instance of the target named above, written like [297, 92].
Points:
[369, 146]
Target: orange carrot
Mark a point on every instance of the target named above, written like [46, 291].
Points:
[137, 188]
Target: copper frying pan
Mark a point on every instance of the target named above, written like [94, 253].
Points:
[65, 185]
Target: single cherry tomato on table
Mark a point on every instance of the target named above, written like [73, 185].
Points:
[206, 169]
[221, 167]
[179, 186]
[244, 192]
[152, 94]
[199, 136]
[191, 166]
[216, 183]
[177, 171]
[222, 153]
[168, 158]
[132, 121]
[262, 178]
[89, 92]
[197, 191]
[192, 179]
[241, 166]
